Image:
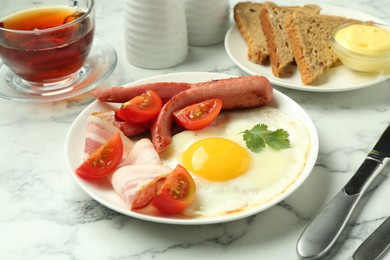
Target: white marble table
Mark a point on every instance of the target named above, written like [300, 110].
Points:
[45, 215]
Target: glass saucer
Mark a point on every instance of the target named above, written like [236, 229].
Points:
[99, 65]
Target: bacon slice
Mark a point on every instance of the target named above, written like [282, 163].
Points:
[129, 179]
[165, 90]
[140, 163]
[99, 131]
[236, 93]
[128, 129]
[141, 167]
[143, 152]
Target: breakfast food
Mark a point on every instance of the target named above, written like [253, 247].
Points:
[363, 47]
[242, 92]
[289, 40]
[236, 93]
[128, 180]
[128, 128]
[99, 129]
[165, 90]
[246, 16]
[272, 19]
[365, 38]
[212, 171]
[310, 37]
[133, 168]
[229, 177]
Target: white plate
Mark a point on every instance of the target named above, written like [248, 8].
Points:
[104, 193]
[336, 79]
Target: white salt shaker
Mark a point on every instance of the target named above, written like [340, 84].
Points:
[155, 33]
[207, 21]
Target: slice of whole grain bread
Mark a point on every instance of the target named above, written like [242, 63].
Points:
[272, 19]
[246, 16]
[310, 37]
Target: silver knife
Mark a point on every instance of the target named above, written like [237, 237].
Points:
[324, 229]
[376, 245]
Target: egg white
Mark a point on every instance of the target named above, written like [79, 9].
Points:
[269, 174]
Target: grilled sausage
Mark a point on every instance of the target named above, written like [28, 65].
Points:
[236, 93]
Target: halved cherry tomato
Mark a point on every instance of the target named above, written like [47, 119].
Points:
[141, 108]
[176, 193]
[103, 161]
[199, 115]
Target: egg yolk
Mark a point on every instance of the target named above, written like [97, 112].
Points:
[216, 159]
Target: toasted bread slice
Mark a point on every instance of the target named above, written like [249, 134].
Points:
[246, 16]
[272, 19]
[310, 37]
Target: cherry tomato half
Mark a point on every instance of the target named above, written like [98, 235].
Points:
[176, 192]
[103, 161]
[141, 108]
[198, 115]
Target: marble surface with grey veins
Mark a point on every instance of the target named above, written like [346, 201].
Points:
[44, 214]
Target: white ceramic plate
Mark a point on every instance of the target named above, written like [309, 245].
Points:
[336, 79]
[104, 193]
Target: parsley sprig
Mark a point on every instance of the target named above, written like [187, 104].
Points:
[259, 136]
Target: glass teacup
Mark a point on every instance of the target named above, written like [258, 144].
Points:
[45, 43]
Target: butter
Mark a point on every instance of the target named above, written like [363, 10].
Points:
[368, 47]
[365, 39]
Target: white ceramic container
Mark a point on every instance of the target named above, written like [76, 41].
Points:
[155, 33]
[207, 21]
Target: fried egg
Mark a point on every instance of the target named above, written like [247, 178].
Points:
[228, 176]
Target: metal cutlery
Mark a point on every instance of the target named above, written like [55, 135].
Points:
[376, 245]
[324, 229]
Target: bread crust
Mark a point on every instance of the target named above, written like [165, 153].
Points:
[280, 55]
[246, 18]
[272, 22]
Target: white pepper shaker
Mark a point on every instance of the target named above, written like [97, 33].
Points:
[155, 33]
[207, 21]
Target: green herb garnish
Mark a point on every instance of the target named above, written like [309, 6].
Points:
[259, 136]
